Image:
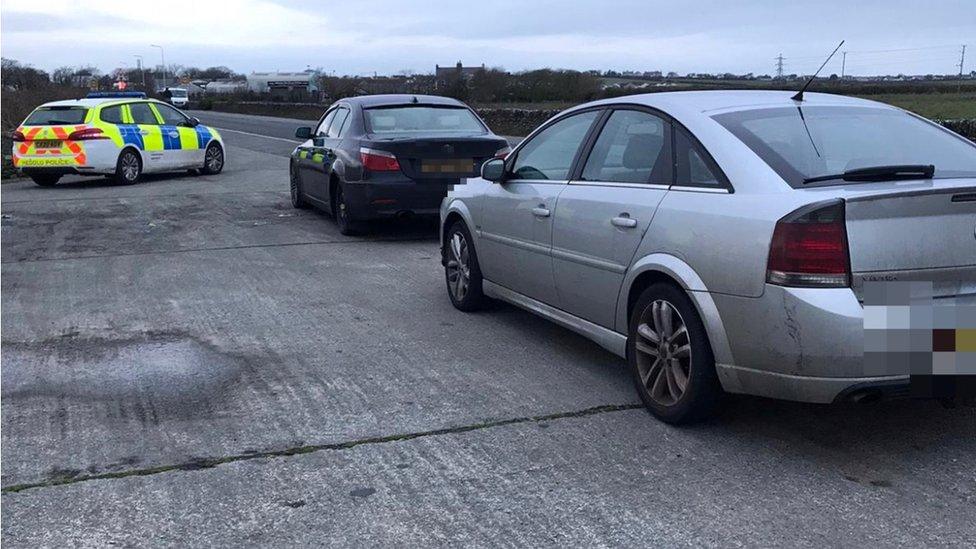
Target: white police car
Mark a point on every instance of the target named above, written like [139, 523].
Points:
[121, 134]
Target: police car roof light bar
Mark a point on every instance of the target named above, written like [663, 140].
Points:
[103, 95]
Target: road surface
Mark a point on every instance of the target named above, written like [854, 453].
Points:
[190, 361]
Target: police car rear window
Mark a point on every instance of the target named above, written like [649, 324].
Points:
[56, 116]
[112, 115]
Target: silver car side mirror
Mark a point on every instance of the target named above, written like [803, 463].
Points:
[493, 170]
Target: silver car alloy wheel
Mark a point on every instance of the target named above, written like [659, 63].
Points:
[458, 270]
[130, 167]
[663, 348]
[215, 159]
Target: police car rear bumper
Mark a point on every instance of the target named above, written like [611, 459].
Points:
[77, 170]
[98, 156]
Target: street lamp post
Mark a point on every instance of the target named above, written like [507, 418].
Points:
[141, 70]
[162, 58]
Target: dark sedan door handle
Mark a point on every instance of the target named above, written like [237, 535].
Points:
[624, 222]
[540, 212]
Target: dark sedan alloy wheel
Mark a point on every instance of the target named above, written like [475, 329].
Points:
[458, 267]
[663, 352]
[295, 189]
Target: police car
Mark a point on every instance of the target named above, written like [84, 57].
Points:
[120, 134]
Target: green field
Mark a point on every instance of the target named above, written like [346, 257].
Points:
[935, 105]
[939, 106]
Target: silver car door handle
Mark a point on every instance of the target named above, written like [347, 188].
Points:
[143, 132]
[540, 212]
[624, 222]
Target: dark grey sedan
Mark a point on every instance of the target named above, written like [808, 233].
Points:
[382, 156]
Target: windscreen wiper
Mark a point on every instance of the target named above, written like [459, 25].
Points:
[880, 173]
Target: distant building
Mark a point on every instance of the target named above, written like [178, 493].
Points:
[225, 86]
[283, 82]
[82, 79]
[193, 90]
[443, 76]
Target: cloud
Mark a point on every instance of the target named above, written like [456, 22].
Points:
[362, 36]
[247, 23]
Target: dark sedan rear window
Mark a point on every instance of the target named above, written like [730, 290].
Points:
[56, 116]
[421, 119]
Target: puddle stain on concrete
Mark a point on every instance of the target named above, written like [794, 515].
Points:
[143, 376]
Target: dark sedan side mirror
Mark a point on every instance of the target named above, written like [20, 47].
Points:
[304, 132]
[493, 170]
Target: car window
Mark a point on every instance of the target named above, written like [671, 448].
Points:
[323, 127]
[694, 167]
[53, 116]
[112, 115]
[413, 119]
[819, 141]
[633, 147]
[335, 128]
[142, 114]
[170, 115]
[550, 153]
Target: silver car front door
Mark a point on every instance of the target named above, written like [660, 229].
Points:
[603, 214]
[516, 228]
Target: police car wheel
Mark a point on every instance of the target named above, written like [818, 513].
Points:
[129, 168]
[213, 160]
[45, 180]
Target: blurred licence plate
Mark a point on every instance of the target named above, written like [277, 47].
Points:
[47, 144]
[459, 165]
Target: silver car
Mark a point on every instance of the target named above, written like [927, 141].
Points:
[720, 241]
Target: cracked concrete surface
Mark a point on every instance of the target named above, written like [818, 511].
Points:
[189, 361]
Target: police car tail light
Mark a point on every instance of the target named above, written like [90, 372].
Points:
[18, 136]
[86, 133]
[378, 161]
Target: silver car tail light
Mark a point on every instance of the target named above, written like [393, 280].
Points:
[809, 248]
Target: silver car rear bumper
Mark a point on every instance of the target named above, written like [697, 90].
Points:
[804, 344]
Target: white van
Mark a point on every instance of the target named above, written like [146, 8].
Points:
[178, 97]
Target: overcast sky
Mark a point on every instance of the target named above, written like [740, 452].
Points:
[387, 36]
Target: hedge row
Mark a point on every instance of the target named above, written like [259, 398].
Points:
[512, 122]
[962, 127]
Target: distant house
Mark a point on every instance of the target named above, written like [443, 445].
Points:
[444, 76]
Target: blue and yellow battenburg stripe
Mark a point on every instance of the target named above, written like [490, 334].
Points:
[151, 137]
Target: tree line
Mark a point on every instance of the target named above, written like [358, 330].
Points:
[19, 76]
[490, 85]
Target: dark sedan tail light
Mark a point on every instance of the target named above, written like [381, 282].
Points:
[503, 152]
[378, 161]
[809, 248]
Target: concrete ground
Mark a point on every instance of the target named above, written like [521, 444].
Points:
[190, 361]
